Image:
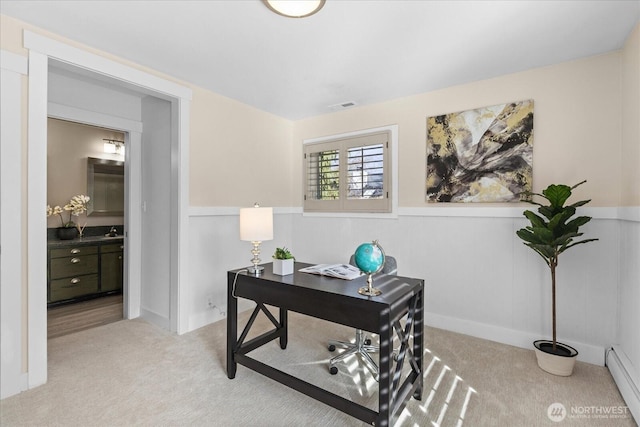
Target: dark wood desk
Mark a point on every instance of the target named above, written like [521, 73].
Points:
[337, 301]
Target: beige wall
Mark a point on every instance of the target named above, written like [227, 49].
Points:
[239, 155]
[68, 146]
[630, 183]
[576, 126]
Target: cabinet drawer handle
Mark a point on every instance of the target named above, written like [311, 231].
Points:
[75, 280]
[121, 246]
[75, 251]
[75, 260]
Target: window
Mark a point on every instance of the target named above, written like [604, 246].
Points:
[349, 173]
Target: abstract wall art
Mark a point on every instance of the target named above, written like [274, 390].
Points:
[481, 155]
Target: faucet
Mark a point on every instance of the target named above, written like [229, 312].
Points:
[113, 232]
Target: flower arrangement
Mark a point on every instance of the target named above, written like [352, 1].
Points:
[76, 207]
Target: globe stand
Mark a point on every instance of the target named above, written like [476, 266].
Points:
[369, 290]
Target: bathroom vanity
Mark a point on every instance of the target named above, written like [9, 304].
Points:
[84, 268]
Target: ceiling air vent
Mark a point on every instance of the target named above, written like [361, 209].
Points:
[342, 106]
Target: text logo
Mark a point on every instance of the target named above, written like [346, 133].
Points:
[556, 412]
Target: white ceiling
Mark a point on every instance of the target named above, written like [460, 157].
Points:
[352, 50]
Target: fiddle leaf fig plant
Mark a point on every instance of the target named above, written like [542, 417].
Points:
[554, 230]
[283, 253]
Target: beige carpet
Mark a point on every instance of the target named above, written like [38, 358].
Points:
[133, 373]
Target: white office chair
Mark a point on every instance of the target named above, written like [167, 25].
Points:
[362, 344]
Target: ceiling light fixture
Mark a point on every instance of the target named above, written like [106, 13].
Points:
[294, 8]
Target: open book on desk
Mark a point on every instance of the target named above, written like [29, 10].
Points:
[340, 271]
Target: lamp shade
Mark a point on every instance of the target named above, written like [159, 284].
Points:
[256, 224]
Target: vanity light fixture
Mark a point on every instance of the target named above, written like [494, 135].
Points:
[294, 8]
[113, 146]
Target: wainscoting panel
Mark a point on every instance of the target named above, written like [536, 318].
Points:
[480, 279]
[215, 248]
[626, 363]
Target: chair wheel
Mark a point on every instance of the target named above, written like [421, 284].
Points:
[367, 341]
[332, 348]
[333, 370]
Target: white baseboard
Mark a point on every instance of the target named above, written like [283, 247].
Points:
[205, 318]
[586, 352]
[155, 319]
[620, 367]
[16, 384]
[208, 317]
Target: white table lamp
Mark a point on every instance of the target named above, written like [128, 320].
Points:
[256, 226]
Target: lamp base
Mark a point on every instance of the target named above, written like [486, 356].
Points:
[256, 270]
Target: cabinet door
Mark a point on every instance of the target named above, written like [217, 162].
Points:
[73, 266]
[73, 287]
[111, 271]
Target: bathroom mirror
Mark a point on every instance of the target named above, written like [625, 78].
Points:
[105, 187]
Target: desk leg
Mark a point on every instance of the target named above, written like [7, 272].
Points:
[418, 342]
[285, 328]
[232, 329]
[384, 381]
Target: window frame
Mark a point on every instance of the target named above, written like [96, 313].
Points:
[384, 207]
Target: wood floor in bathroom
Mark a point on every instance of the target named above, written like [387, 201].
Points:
[71, 318]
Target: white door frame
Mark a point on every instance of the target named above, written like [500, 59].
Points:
[42, 48]
[133, 166]
[12, 378]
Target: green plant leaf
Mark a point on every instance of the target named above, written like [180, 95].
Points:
[557, 194]
[536, 221]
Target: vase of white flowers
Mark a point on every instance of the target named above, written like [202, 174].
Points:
[76, 207]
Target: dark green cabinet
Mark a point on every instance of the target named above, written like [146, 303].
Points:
[111, 273]
[83, 269]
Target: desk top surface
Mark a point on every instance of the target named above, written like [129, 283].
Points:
[326, 297]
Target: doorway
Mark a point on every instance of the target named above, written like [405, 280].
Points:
[81, 160]
[42, 53]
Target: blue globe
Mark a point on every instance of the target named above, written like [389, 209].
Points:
[369, 257]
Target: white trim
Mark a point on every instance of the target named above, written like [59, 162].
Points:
[36, 219]
[104, 66]
[195, 211]
[586, 352]
[627, 214]
[64, 112]
[156, 319]
[619, 366]
[13, 62]
[132, 291]
[181, 321]
[499, 211]
[12, 380]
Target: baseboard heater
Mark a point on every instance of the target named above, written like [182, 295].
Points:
[617, 362]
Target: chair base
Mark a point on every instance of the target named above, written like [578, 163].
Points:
[361, 346]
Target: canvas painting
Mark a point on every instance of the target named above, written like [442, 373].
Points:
[481, 155]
